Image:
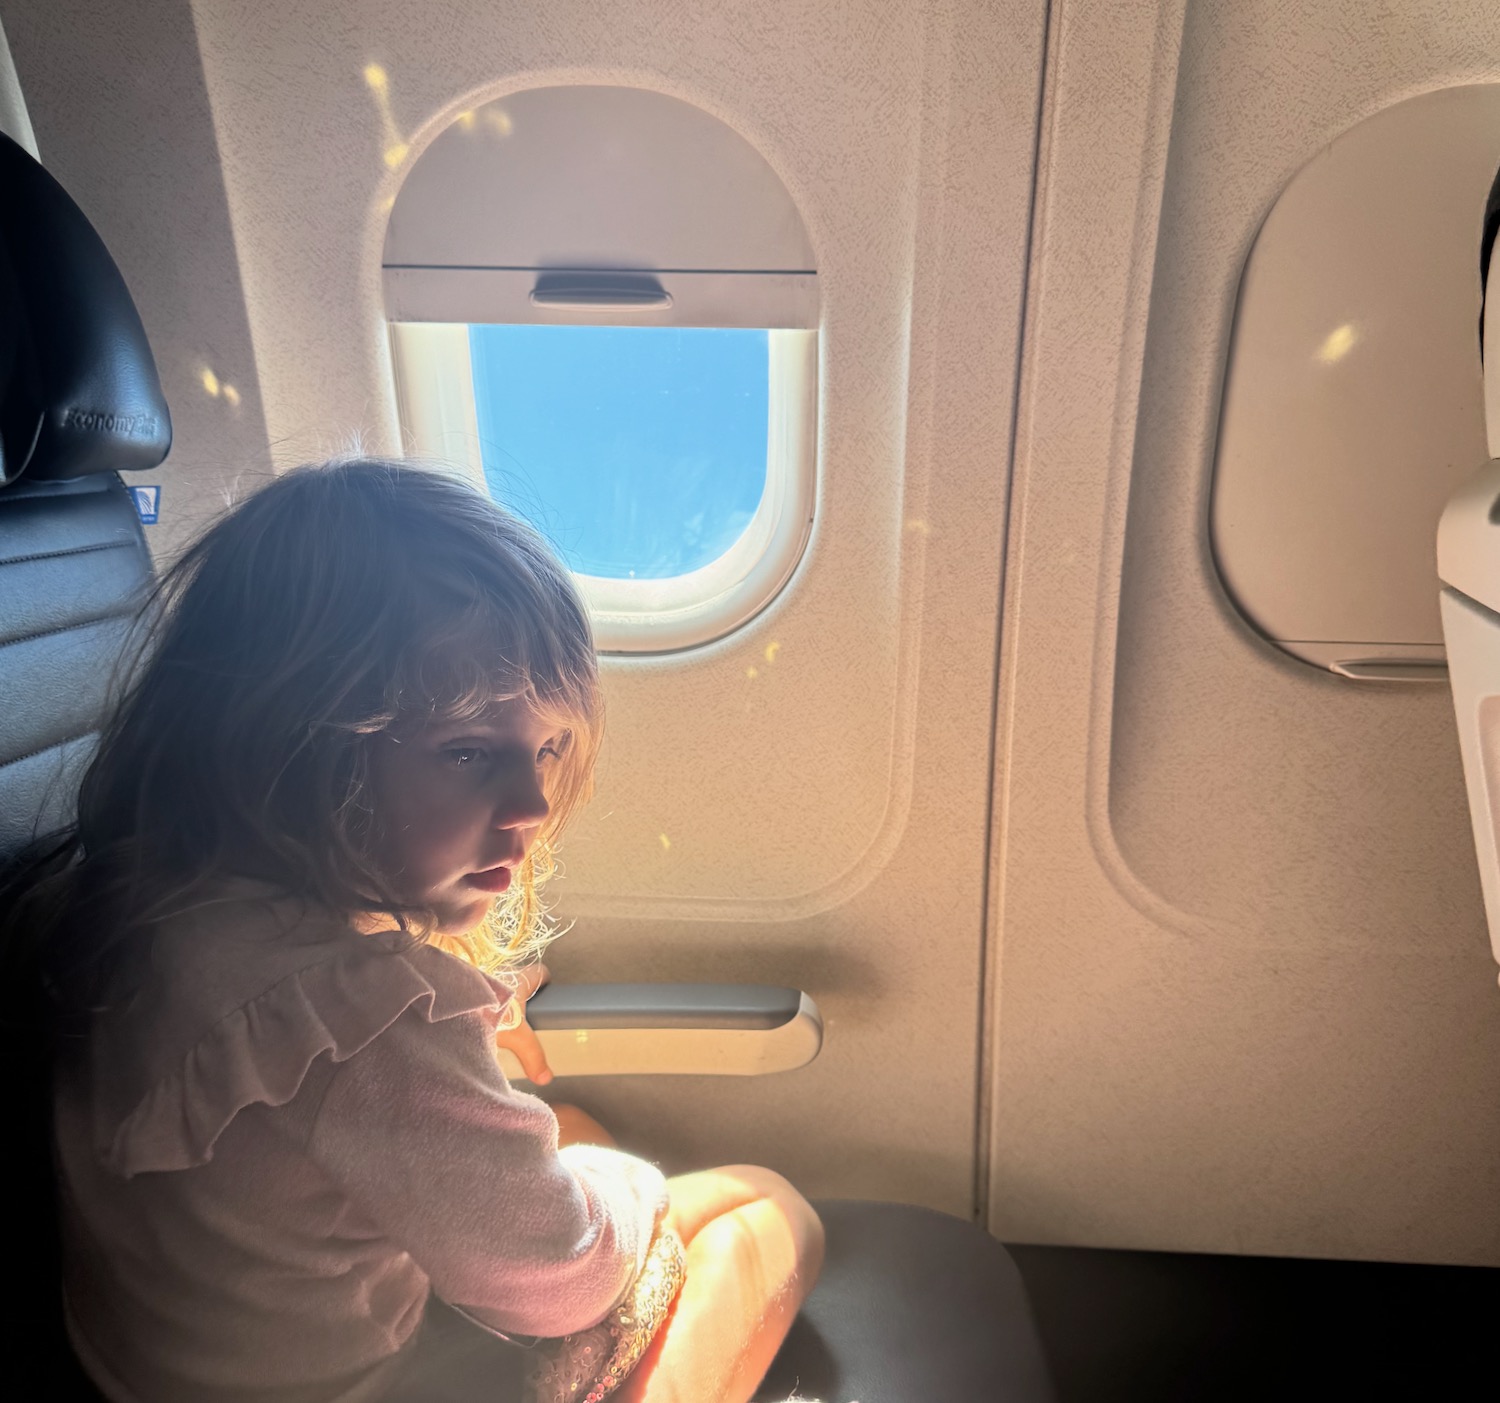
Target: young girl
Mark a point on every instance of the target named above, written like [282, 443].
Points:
[299, 910]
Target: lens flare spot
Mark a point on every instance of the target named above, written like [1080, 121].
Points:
[1338, 343]
[231, 396]
[465, 120]
[772, 648]
[210, 383]
[752, 673]
[499, 121]
[666, 842]
[394, 149]
[919, 527]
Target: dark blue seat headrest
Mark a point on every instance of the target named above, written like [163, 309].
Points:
[79, 392]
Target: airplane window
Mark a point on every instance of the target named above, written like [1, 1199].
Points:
[671, 466]
[641, 451]
[603, 304]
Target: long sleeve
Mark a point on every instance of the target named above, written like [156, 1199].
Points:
[288, 1139]
[422, 1130]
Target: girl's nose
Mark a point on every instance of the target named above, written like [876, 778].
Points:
[521, 802]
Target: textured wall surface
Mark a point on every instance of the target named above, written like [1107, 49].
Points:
[1244, 998]
[1238, 991]
[840, 120]
[15, 122]
[826, 817]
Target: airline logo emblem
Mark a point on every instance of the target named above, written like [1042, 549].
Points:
[147, 503]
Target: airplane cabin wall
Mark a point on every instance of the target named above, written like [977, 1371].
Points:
[1237, 992]
[1245, 999]
[823, 774]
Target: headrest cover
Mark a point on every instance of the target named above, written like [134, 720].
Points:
[1487, 237]
[79, 391]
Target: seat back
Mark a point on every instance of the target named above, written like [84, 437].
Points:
[79, 402]
[1468, 561]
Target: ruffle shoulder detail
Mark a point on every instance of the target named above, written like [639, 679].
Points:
[260, 1053]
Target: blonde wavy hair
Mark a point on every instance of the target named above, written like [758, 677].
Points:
[341, 601]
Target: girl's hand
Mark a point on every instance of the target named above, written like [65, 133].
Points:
[522, 1040]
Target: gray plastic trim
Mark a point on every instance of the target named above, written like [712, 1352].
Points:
[15, 121]
[778, 301]
[743, 1006]
[720, 1030]
[1473, 634]
[1468, 535]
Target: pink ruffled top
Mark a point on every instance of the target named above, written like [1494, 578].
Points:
[290, 1137]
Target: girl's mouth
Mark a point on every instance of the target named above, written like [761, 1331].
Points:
[496, 879]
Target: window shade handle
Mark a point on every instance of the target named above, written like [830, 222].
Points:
[600, 291]
[1390, 669]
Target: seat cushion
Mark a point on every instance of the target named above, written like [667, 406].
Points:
[913, 1307]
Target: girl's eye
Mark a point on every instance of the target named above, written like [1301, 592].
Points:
[461, 756]
[556, 748]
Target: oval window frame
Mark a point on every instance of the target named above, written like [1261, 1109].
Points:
[435, 397]
[595, 243]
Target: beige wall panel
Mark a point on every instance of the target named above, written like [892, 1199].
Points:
[14, 121]
[702, 739]
[1240, 997]
[826, 818]
[1244, 999]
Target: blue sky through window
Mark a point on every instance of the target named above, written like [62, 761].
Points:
[639, 451]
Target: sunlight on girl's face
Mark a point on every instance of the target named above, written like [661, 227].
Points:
[458, 807]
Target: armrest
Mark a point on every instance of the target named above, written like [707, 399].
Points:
[721, 1030]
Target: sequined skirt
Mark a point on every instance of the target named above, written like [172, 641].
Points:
[590, 1365]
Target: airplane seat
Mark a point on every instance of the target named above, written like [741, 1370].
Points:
[1468, 557]
[913, 1305]
[79, 401]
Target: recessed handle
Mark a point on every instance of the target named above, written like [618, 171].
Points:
[745, 1007]
[714, 1030]
[603, 292]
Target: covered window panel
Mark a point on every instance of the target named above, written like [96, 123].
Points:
[1353, 405]
[604, 305]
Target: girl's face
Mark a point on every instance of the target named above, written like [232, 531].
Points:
[458, 807]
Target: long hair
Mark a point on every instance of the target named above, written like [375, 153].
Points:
[339, 602]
